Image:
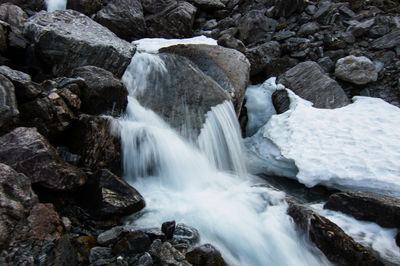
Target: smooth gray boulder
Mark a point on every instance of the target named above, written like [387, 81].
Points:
[30, 153]
[66, 39]
[228, 67]
[8, 104]
[124, 18]
[380, 209]
[356, 69]
[308, 81]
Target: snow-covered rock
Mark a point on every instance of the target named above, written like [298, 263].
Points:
[353, 147]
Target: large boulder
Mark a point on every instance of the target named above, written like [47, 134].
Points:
[196, 92]
[368, 206]
[124, 18]
[8, 104]
[337, 246]
[93, 139]
[170, 19]
[87, 7]
[228, 67]
[106, 195]
[60, 45]
[14, 16]
[308, 81]
[32, 5]
[103, 94]
[28, 152]
[356, 69]
[25, 89]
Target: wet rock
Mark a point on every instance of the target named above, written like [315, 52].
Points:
[358, 70]
[186, 82]
[93, 139]
[103, 94]
[173, 20]
[97, 253]
[28, 152]
[25, 89]
[168, 229]
[205, 255]
[285, 8]
[329, 238]
[155, 233]
[308, 29]
[166, 254]
[87, 7]
[61, 46]
[308, 81]
[16, 197]
[124, 18]
[383, 210]
[112, 235]
[49, 114]
[185, 234]
[281, 101]
[229, 68]
[8, 105]
[106, 195]
[132, 243]
[256, 26]
[387, 41]
[261, 56]
[32, 5]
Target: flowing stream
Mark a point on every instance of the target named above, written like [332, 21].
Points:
[204, 183]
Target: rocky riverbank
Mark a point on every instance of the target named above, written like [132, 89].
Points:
[62, 197]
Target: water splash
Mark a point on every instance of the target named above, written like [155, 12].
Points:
[205, 184]
[53, 5]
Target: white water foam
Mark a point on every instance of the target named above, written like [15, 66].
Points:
[367, 234]
[248, 224]
[152, 45]
[53, 5]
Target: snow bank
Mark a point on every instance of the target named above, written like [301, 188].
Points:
[355, 147]
[152, 45]
[367, 234]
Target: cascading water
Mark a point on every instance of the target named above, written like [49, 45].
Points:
[204, 184]
[56, 4]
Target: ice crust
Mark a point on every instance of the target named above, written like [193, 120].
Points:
[152, 45]
[355, 147]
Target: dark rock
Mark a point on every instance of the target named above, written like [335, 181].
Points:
[106, 195]
[286, 8]
[358, 70]
[17, 198]
[103, 92]
[208, 4]
[398, 238]
[308, 29]
[93, 139]
[175, 21]
[185, 234]
[112, 235]
[387, 41]
[358, 29]
[381, 27]
[25, 89]
[260, 56]
[14, 16]
[278, 66]
[308, 81]
[295, 44]
[168, 229]
[97, 253]
[283, 35]
[87, 7]
[229, 68]
[28, 152]
[281, 101]
[329, 238]
[124, 18]
[132, 243]
[229, 41]
[368, 206]
[156, 233]
[32, 5]
[327, 64]
[186, 82]
[60, 45]
[145, 260]
[255, 26]
[3, 41]
[49, 114]
[166, 254]
[8, 105]
[205, 255]
[157, 6]
[68, 250]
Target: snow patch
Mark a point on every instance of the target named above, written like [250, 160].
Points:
[152, 45]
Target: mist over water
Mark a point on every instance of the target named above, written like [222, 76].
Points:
[204, 183]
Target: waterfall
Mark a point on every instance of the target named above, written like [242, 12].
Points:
[53, 5]
[204, 183]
